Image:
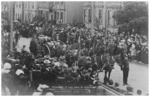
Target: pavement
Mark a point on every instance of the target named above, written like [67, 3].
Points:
[138, 77]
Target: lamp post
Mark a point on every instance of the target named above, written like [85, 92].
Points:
[11, 26]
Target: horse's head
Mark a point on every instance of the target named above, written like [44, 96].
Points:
[118, 59]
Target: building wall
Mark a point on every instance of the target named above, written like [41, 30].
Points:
[30, 10]
[74, 12]
[51, 11]
[68, 12]
[103, 14]
[18, 10]
[43, 9]
[59, 12]
[26, 11]
[5, 11]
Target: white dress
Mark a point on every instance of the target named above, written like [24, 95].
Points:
[133, 50]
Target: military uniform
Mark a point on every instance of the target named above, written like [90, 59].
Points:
[125, 68]
[33, 47]
[110, 63]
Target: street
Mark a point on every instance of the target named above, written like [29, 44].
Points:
[138, 77]
[138, 73]
[72, 48]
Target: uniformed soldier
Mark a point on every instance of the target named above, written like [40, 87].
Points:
[125, 68]
[33, 45]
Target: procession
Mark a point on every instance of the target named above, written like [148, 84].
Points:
[47, 55]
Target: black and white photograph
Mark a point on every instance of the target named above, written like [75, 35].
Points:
[77, 48]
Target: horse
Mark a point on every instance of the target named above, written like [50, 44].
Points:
[106, 62]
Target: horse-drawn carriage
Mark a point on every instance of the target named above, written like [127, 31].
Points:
[74, 56]
[63, 64]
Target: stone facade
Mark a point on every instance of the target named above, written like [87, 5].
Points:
[18, 10]
[5, 12]
[68, 12]
[103, 14]
[30, 10]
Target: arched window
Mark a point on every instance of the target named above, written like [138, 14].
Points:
[89, 18]
[100, 16]
[32, 5]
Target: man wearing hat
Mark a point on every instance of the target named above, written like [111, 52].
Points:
[33, 45]
[125, 68]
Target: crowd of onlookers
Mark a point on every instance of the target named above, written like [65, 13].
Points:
[61, 63]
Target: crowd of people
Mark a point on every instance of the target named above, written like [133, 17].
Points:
[66, 55]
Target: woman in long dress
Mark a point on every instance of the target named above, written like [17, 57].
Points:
[133, 51]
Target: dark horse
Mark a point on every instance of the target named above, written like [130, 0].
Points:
[107, 60]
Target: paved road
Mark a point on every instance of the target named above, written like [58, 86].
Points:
[138, 77]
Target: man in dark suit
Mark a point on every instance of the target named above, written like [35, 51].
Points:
[33, 45]
[125, 68]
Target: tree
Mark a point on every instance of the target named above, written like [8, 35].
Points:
[133, 17]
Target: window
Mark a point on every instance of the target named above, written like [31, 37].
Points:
[61, 16]
[51, 17]
[16, 4]
[26, 5]
[26, 17]
[56, 3]
[84, 15]
[19, 5]
[33, 5]
[100, 16]
[57, 15]
[109, 17]
[29, 5]
[46, 14]
[61, 3]
[89, 18]
[115, 22]
[16, 15]
[29, 17]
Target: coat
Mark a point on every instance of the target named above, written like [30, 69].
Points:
[33, 47]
